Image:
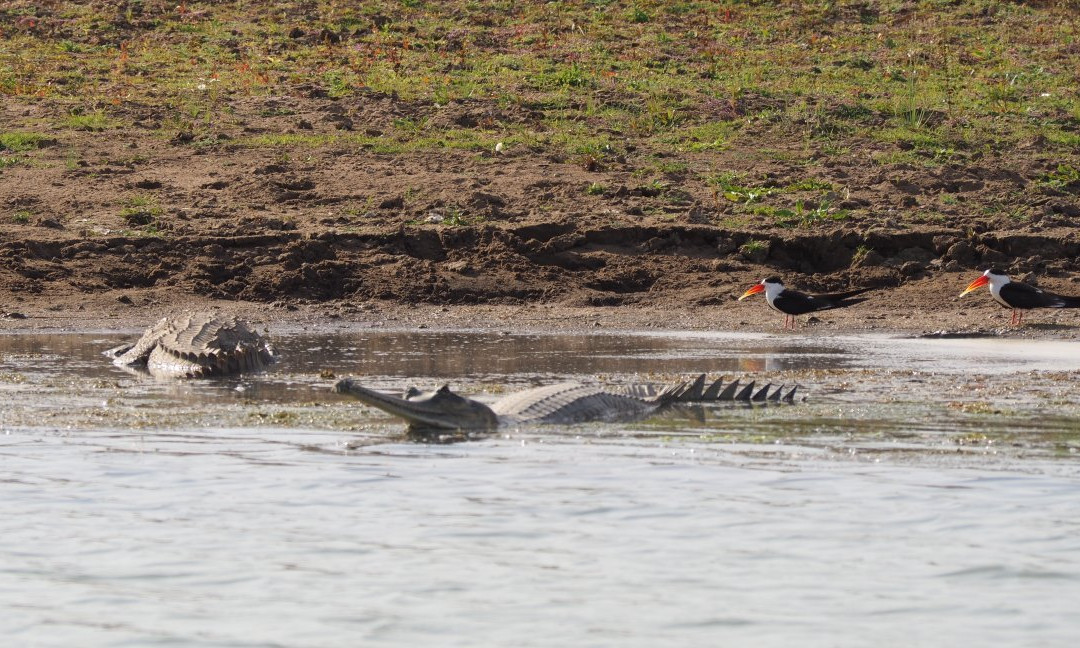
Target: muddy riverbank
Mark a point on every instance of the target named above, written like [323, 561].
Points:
[919, 308]
[536, 168]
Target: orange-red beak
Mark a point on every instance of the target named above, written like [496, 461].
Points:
[752, 290]
[978, 283]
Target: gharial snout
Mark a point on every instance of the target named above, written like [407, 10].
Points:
[441, 409]
[342, 386]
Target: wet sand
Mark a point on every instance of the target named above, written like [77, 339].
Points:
[913, 309]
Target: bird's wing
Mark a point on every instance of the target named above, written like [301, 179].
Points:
[1021, 295]
[794, 302]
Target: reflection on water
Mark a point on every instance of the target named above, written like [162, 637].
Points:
[925, 493]
[469, 355]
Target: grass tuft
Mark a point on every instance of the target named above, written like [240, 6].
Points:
[95, 121]
[18, 142]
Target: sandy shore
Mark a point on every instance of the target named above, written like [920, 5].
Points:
[912, 309]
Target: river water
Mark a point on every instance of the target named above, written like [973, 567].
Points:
[925, 493]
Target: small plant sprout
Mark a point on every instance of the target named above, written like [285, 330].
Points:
[860, 254]
[455, 217]
[804, 216]
[753, 248]
[140, 211]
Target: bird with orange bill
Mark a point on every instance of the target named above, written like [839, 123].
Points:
[1017, 295]
[793, 303]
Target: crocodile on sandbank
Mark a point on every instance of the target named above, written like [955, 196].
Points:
[564, 403]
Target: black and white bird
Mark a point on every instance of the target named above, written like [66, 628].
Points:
[1018, 295]
[792, 302]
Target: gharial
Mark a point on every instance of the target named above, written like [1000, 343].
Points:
[196, 346]
[563, 403]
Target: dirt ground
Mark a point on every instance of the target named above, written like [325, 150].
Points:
[340, 235]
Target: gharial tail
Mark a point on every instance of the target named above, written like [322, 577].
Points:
[696, 391]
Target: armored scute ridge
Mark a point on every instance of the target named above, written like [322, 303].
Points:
[196, 346]
[564, 403]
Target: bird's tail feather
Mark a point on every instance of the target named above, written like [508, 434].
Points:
[848, 294]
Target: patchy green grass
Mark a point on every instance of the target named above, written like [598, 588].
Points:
[291, 140]
[728, 185]
[697, 138]
[920, 83]
[753, 248]
[803, 215]
[141, 211]
[94, 121]
[1062, 139]
[1063, 177]
[19, 142]
[809, 184]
